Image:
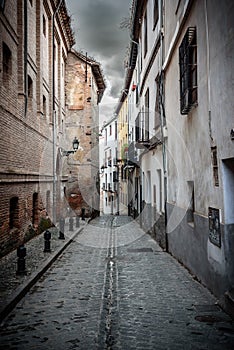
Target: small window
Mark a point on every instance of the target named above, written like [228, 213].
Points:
[215, 166]
[155, 13]
[44, 106]
[14, 213]
[44, 26]
[30, 87]
[110, 130]
[188, 71]
[6, 63]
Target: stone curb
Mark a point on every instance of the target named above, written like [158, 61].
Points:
[20, 292]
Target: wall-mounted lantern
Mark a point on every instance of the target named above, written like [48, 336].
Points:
[75, 145]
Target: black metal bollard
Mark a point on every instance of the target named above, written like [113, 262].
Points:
[70, 224]
[83, 213]
[47, 238]
[61, 228]
[21, 253]
[77, 221]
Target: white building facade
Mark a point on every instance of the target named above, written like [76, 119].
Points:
[146, 167]
[109, 174]
[179, 83]
[198, 70]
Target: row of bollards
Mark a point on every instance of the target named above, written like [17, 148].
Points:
[21, 250]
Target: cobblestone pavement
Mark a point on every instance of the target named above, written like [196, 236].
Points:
[12, 284]
[115, 288]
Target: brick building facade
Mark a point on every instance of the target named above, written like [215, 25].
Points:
[84, 88]
[32, 113]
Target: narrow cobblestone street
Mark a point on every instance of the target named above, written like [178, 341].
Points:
[115, 288]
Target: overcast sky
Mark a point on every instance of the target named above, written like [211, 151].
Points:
[96, 24]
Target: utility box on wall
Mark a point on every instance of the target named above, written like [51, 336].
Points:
[214, 226]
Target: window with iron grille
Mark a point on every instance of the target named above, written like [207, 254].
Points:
[188, 71]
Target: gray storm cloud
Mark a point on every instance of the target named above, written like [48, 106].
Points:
[96, 24]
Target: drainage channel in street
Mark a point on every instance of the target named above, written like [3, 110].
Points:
[109, 306]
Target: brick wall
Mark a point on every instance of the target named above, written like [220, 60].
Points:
[26, 159]
[82, 122]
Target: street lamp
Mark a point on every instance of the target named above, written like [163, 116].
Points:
[75, 145]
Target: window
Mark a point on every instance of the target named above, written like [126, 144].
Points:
[30, 87]
[44, 26]
[110, 130]
[14, 213]
[145, 34]
[6, 63]
[215, 166]
[188, 71]
[155, 13]
[44, 106]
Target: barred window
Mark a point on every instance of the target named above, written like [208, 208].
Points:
[188, 71]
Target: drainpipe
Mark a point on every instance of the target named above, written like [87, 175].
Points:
[162, 121]
[208, 71]
[54, 116]
[25, 57]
